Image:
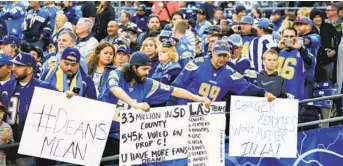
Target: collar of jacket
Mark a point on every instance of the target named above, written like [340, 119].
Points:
[265, 73]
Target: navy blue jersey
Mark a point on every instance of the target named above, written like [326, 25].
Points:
[292, 69]
[37, 25]
[243, 66]
[17, 99]
[200, 77]
[71, 15]
[167, 73]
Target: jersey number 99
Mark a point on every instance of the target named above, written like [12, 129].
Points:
[286, 67]
[209, 91]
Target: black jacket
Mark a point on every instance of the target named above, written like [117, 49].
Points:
[273, 83]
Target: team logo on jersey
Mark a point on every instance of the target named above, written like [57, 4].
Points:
[236, 76]
[191, 66]
[186, 55]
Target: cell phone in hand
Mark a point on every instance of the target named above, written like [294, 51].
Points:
[76, 90]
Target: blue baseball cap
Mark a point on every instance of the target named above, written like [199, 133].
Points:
[5, 59]
[212, 29]
[71, 54]
[247, 19]
[236, 40]
[25, 59]
[139, 58]
[264, 23]
[124, 48]
[304, 20]
[222, 47]
[10, 39]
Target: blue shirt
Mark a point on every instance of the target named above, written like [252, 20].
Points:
[292, 69]
[17, 99]
[201, 78]
[151, 91]
[200, 29]
[246, 41]
[38, 25]
[14, 16]
[52, 10]
[185, 51]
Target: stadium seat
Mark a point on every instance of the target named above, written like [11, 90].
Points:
[324, 85]
[324, 92]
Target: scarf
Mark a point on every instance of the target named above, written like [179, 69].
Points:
[58, 79]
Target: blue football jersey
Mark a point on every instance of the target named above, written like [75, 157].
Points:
[292, 68]
[246, 41]
[200, 77]
[17, 99]
[185, 51]
[151, 91]
[257, 47]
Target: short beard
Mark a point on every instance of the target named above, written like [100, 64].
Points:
[20, 78]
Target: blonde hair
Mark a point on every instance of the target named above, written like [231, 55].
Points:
[156, 43]
[172, 53]
[304, 11]
[63, 18]
[286, 24]
[270, 51]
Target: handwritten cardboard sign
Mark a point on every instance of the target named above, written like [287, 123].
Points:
[206, 135]
[259, 128]
[155, 136]
[70, 130]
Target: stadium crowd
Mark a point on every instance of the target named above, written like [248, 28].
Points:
[164, 56]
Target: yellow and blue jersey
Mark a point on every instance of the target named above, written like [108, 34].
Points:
[201, 78]
[292, 69]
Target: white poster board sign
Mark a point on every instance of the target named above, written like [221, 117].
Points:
[70, 130]
[206, 134]
[155, 136]
[259, 128]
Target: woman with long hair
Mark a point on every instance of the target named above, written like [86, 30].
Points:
[169, 68]
[149, 47]
[100, 63]
[104, 14]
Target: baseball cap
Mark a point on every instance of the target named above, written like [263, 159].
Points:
[201, 11]
[10, 39]
[222, 47]
[38, 50]
[5, 59]
[212, 29]
[167, 34]
[124, 48]
[276, 12]
[239, 8]
[139, 58]
[236, 40]
[142, 6]
[130, 27]
[71, 54]
[304, 20]
[247, 19]
[264, 23]
[25, 59]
